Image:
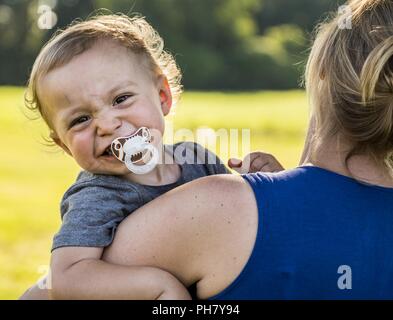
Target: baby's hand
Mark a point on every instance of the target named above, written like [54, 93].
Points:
[254, 162]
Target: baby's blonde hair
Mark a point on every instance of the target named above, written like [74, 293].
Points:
[134, 33]
[349, 79]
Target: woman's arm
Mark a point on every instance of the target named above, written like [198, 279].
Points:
[202, 232]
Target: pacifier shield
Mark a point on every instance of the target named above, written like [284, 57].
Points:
[136, 147]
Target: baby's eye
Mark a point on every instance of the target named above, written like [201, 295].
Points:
[121, 99]
[79, 120]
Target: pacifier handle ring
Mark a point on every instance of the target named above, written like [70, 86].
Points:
[145, 168]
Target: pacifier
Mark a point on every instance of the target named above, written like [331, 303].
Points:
[134, 148]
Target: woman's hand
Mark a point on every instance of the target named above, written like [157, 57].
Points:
[256, 162]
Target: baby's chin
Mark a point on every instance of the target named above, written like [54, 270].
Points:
[117, 170]
[107, 172]
[111, 166]
[120, 170]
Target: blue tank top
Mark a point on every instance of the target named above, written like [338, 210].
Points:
[320, 235]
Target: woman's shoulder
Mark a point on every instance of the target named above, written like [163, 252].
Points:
[267, 180]
[221, 221]
[299, 175]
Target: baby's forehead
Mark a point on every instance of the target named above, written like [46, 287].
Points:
[107, 49]
[105, 56]
[101, 66]
[94, 74]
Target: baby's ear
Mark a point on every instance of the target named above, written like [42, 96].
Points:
[165, 94]
[57, 140]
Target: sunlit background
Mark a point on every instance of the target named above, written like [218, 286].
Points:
[242, 63]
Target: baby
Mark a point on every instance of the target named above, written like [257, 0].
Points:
[103, 87]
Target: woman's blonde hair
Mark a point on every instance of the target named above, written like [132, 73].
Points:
[134, 33]
[349, 79]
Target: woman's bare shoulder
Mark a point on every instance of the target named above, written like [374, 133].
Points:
[232, 216]
[202, 232]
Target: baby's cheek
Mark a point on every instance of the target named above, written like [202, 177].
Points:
[82, 149]
[158, 120]
[150, 117]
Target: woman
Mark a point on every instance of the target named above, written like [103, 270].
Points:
[322, 230]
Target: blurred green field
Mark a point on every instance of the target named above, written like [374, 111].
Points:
[33, 177]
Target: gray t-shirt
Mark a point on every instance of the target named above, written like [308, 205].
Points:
[93, 207]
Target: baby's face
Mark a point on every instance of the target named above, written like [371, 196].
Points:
[102, 94]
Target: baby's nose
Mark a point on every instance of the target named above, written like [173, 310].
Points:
[107, 125]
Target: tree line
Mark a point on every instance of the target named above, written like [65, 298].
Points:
[218, 44]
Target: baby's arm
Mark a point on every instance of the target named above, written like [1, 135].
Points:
[35, 293]
[78, 273]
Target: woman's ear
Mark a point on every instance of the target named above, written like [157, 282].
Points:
[57, 140]
[165, 95]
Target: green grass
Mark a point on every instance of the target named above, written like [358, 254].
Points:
[33, 177]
